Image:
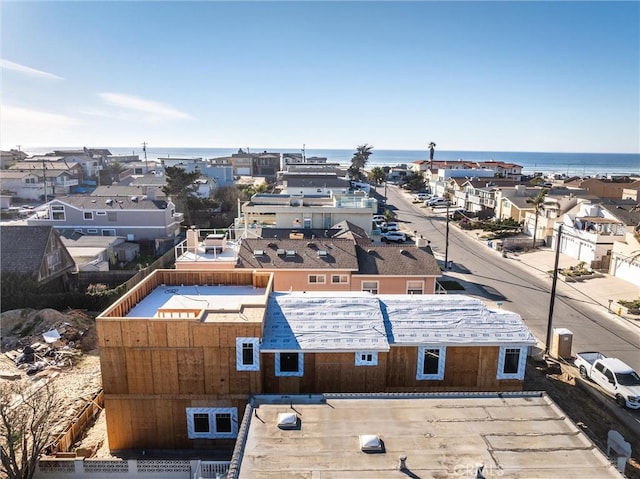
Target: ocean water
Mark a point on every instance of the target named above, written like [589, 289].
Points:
[572, 164]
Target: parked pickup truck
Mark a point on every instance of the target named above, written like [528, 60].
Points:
[615, 377]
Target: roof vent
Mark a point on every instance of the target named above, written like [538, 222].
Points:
[109, 201]
[322, 252]
[280, 251]
[291, 252]
[402, 251]
[258, 252]
[134, 198]
[287, 420]
[370, 443]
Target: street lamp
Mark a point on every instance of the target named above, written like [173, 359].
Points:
[553, 292]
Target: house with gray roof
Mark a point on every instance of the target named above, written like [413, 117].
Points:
[32, 253]
[136, 218]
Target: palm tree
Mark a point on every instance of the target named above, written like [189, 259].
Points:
[432, 148]
[538, 203]
[359, 160]
[377, 175]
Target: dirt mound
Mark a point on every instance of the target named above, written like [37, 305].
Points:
[20, 327]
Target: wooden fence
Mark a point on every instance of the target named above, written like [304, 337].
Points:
[74, 431]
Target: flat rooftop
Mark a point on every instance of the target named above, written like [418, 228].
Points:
[522, 435]
[220, 302]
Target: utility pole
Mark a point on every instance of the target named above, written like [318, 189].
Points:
[446, 242]
[144, 148]
[553, 292]
[304, 157]
[44, 177]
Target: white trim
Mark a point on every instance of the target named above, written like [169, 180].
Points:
[255, 343]
[415, 281]
[522, 361]
[442, 356]
[212, 433]
[84, 213]
[366, 358]
[340, 277]
[320, 279]
[377, 288]
[299, 372]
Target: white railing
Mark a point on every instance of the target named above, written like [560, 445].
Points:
[211, 470]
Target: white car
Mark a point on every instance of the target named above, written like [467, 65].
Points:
[421, 196]
[393, 227]
[378, 218]
[438, 202]
[394, 236]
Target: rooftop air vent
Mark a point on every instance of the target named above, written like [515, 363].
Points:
[109, 201]
[322, 252]
[370, 443]
[258, 252]
[280, 251]
[291, 252]
[134, 198]
[287, 420]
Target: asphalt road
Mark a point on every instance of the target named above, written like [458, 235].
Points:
[485, 273]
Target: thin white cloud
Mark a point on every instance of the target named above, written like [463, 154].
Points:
[35, 118]
[16, 67]
[156, 111]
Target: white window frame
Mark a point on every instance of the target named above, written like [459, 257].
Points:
[319, 279]
[212, 412]
[101, 213]
[377, 288]
[57, 209]
[442, 357]
[89, 213]
[522, 362]
[92, 231]
[255, 343]
[415, 282]
[340, 277]
[366, 358]
[299, 372]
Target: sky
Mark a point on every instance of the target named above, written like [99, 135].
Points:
[485, 76]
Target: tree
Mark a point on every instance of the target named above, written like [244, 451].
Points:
[414, 182]
[377, 175]
[432, 148]
[180, 185]
[359, 161]
[27, 419]
[538, 203]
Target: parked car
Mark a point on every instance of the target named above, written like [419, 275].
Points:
[614, 376]
[394, 236]
[421, 196]
[382, 225]
[377, 218]
[393, 227]
[438, 202]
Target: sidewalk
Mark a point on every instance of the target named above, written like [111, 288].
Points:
[603, 291]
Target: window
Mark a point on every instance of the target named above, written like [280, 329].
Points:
[366, 358]
[57, 213]
[415, 287]
[431, 363]
[511, 363]
[316, 279]
[339, 279]
[247, 357]
[101, 213]
[370, 286]
[53, 259]
[289, 364]
[87, 215]
[212, 423]
[92, 231]
[108, 232]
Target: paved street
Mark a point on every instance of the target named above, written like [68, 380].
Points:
[525, 288]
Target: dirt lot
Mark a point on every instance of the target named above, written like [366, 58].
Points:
[78, 375]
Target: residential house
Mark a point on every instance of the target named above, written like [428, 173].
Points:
[34, 253]
[29, 183]
[611, 188]
[306, 211]
[472, 436]
[182, 353]
[590, 230]
[8, 158]
[503, 169]
[299, 158]
[477, 194]
[313, 183]
[438, 182]
[631, 193]
[263, 164]
[514, 202]
[98, 253]
[136, 218]
[625, 257]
